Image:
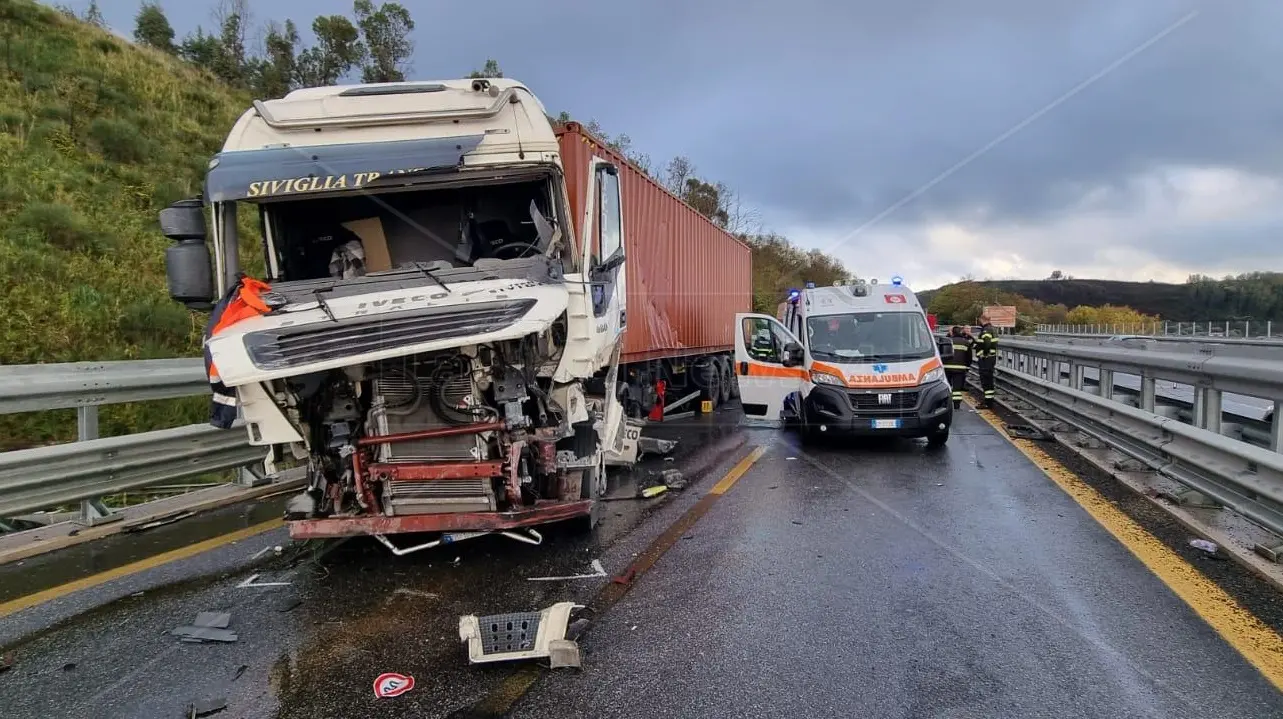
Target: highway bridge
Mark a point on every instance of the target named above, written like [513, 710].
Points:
[1041, 564]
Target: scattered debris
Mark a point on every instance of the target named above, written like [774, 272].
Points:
[260, 552]
[774, 486]
[289, 605]
[598, 571]
[206, 707]
[415, 593]
[797, 522]
[576, 629]
[239, 671]
[790, 459]
[939, 484]
[129, 529]
[250, 582]
[69, 666]
[216, 620]
[1027, 431]
[650, 445]
[1211, 549]
[391, 684]
[208, 627]
[6, 662]
[521, 635]
[673, 479]
[654, 491]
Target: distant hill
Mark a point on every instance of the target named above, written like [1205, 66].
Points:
[1152, 298]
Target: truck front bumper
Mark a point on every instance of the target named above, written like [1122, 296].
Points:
[541, 513]
[901, 412]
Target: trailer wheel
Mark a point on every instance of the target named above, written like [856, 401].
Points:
[724, 365]
[710, 376]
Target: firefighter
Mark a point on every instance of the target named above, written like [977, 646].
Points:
[986, 359]
[956, 366]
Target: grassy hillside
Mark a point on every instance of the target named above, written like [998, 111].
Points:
[96, 136]
[1258, 296]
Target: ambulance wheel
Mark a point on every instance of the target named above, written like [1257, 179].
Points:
[810, 432]
[735, 380]
[724, 364]
[938, 439]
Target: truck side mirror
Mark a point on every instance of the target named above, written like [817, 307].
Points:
[793, 355]
[187, 263]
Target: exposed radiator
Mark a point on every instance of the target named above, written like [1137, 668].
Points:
[402, 497]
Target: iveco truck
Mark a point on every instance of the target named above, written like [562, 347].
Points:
[466, 310]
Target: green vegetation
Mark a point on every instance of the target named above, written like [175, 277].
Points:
[963, 302]
[1256, 296]
[97, 135]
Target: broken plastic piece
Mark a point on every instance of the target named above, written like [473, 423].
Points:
[204, 634]
[1025, 431]
[216, 620]
[673, 479]
[563, 653]
[654, 491]
[1204, 545]
[524, 635]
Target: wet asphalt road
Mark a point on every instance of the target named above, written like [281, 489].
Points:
[866, 581]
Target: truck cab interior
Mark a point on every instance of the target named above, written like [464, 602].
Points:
[341, 237]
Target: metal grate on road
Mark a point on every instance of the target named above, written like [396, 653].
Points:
[509, 632]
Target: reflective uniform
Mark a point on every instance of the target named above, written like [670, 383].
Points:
[986, 360]
[955, 367]
[242, 301]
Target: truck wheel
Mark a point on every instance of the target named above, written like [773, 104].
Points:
[724, 364]
[710, 375]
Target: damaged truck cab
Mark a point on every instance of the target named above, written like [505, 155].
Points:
[433, 312]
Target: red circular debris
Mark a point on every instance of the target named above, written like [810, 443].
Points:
[391, 684]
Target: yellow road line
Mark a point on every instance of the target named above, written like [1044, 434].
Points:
[737, 471]
[1257, 642]
[94, 580]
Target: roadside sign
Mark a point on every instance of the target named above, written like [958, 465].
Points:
[1001, 315]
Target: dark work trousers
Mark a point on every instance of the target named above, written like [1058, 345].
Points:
[958, 382]
[986, 365]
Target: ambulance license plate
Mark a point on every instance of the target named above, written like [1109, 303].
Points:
[886, 424]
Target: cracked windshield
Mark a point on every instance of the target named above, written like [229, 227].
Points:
[439, 360]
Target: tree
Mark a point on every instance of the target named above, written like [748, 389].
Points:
[676, 172]
[491, 69]
[201, 50]
[338, 49]
[1055, 275]
[706, 200]
[152, 28]
[277, 71]
[231, 64]
[93, 15]
[386, 32]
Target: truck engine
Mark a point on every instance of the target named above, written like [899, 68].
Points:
[473, 429]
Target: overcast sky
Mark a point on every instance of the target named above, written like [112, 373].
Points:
[1123, 139]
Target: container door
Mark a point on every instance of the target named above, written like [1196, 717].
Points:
[604, 256]
[770, 366]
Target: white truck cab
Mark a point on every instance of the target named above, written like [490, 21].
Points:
[857, 358]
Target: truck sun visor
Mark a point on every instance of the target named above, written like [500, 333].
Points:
[283, 171]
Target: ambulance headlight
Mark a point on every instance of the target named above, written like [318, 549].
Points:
[818, 377]
[934, 375]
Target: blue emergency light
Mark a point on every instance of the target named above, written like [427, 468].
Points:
[810, 285]
[897, 280]
[794, 294]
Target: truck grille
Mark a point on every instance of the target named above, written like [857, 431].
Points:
[316, 342]
[869, 401]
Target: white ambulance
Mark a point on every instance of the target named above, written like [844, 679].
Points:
[857, 358]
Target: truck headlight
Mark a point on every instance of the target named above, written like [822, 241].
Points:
[825, 378]
[934, 375]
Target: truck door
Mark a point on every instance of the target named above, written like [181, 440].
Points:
[770, 366]
[604, 256]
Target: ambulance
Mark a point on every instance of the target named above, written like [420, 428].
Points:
[854, 358]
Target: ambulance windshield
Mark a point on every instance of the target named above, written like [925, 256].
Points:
[870, 337]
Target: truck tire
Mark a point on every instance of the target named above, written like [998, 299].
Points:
[724, 364]
[710, 375]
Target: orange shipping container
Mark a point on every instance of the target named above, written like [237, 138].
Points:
[686, 278]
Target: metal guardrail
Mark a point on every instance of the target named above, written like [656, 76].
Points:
[1230, 472]
[90, 468]
[1167, 328]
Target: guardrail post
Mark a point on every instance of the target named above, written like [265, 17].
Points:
[1148, 393]
[1075, 375]
[92, 510]
[1276, 427]
[1207, 409]
[1106, 383]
